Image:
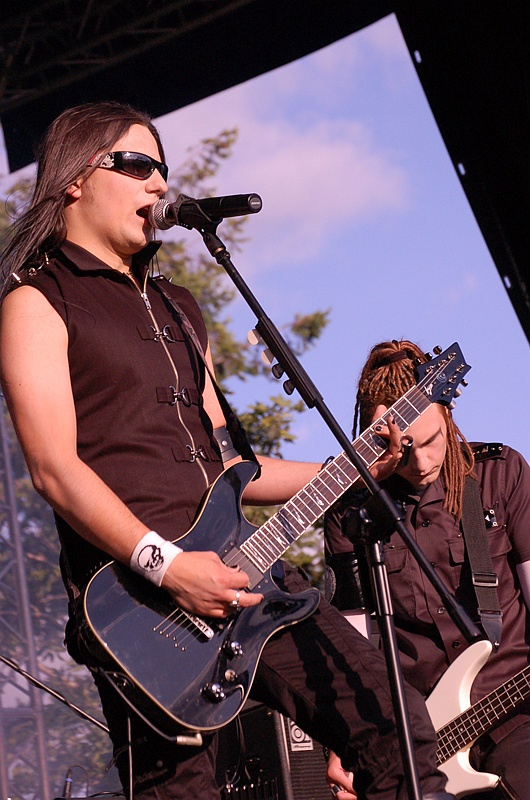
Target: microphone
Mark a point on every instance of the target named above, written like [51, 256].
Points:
[191, 213]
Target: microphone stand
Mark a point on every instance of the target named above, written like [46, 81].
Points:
[297, 378]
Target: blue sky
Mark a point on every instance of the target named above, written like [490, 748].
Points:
[363, 214]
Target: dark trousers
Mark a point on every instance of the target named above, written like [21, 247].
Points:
[327, 678]
[509, 758]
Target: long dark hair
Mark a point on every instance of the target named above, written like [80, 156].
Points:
[389, 372]
[71, 141]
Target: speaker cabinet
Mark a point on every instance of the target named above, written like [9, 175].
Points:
[265, 756]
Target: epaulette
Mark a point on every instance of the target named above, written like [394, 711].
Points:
[484, 450]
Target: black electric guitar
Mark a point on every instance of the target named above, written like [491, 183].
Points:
[184, 672]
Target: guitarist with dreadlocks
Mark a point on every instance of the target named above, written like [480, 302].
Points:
[442, 470]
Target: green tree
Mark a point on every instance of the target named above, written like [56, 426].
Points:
[268, 423]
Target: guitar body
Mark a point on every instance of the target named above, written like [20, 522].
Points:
[178, 670]
[189, 673]
[450, 697]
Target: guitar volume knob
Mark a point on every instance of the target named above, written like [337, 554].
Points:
[233, 649]
[214, 692]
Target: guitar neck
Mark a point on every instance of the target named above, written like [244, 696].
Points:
[468, 726]
[271, 541]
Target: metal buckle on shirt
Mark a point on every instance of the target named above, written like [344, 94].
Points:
[165, 333]
[195, 454]
[183, 396]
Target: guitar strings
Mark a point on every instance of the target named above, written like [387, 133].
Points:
[281, 528]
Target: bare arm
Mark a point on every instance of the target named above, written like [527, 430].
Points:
[281, 479]
[36, 382]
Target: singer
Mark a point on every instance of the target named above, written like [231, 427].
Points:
[123, 432]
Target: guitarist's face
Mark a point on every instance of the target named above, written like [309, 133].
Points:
[427, 454]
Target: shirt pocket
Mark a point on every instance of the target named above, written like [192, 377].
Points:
[498, 542]
[400, 579]
[457, 551]
[499, 546]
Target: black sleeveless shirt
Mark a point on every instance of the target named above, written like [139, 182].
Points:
[137, 383]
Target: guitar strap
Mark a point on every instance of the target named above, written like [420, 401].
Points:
[485, 580]
[236, 430]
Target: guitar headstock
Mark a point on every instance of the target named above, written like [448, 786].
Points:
[441, 377]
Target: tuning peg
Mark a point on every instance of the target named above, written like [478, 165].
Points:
[267, 356]
[277, 371]
[458, 392]
[253, 337]
[289, 387]
[437, 350]
[452, 405]
[428, 356]
[464, 382]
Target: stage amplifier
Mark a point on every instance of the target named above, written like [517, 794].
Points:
[265, 756]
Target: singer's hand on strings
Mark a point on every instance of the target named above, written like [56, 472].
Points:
[202, 584]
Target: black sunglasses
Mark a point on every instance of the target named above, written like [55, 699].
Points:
[136, 164]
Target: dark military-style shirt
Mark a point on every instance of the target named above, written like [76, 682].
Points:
[428, 639]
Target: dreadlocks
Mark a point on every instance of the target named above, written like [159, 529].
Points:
[390, 372]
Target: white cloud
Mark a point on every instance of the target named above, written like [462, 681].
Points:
[314, 172]
[315, 181]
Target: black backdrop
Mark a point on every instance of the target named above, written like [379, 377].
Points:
[472, 57]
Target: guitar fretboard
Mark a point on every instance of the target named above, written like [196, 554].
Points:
[468, 726]
[269, 543]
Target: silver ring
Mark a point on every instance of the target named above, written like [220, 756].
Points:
[335, 789]
[235, 601]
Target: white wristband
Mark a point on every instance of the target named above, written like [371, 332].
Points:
[152, 556]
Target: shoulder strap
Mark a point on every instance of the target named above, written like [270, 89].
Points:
[485, 580]
[236, 430]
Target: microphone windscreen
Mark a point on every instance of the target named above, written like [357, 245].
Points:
[157, 217]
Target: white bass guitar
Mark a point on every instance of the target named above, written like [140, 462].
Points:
[459, 724]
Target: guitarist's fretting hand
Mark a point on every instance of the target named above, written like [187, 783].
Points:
[202, 584]
[391, 458]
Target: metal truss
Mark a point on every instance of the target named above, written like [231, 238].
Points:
[55, 43]
[23, 766]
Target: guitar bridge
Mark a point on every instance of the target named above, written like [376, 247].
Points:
[200, 624]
